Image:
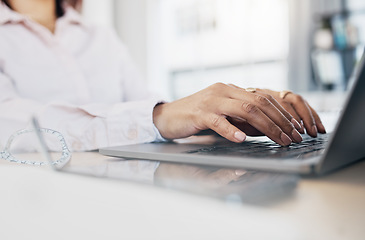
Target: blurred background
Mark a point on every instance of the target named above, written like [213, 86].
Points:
[182, 46]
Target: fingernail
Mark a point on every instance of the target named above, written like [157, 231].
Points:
[240, 172]
[315, 131]
[240, 136]
[286, 140]
[296, 124]
[297, 137]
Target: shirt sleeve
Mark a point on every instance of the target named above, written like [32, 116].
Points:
[85, 127]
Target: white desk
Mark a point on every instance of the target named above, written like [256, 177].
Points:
[40, 204]
[37, 203]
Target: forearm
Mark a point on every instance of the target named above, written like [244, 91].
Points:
[85, 127]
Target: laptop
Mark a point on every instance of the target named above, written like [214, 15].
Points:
[314, 156]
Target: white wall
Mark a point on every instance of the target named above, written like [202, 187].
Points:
[138, 24]
[99, 12]
[131, 25]
[299, 46]
[129, 18]
[247, 46]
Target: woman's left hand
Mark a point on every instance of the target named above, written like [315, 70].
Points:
[294, 104]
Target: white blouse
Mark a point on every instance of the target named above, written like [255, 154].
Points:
[79, 81]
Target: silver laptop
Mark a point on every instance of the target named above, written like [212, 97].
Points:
[326, 153]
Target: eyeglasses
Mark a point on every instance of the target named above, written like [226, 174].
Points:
[42, 133]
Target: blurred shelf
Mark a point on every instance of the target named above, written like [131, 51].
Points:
[333, 65]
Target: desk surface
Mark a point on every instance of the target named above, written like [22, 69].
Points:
[37, 203]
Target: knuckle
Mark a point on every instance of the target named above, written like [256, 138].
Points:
[263, 101]
[250, 108]
[215, 89]
[288, 125]
[218, 85]
[226, 131]
[270, 97]
[285, 103]
[232, 85]
[216, 121]
[274, 129]
[298, 98]
[313, 121]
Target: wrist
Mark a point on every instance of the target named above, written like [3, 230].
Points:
[158, 119]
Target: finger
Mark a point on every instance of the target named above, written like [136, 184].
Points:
[223, 127]
[303, 110]
[256, 118]
[234, 86]
[288, 107]
[244, 126]
[273, 113]
[318, 121]
[283, 110]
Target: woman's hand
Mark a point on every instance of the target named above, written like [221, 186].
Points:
[230, 111]
[299, 109]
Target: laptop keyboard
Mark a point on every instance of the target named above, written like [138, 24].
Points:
[268, 149]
